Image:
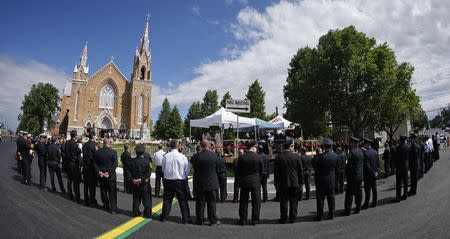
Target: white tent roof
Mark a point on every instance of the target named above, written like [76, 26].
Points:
[222, 117]
[280, 120]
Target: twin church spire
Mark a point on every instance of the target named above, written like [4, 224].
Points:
[141, 69]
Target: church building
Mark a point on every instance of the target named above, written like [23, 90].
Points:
[106, 101]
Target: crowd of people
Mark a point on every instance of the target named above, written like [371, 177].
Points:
[409, 158]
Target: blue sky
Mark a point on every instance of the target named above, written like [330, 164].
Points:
[217, 44]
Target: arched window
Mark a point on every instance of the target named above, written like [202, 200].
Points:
[142, 73]
[75, 115]
[141, 108]
[107, 97]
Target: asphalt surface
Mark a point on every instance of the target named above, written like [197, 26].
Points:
[27, 212]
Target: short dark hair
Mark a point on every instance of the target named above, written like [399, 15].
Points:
[160, 146]
[91, 134]
[73, 133]
[174, 144]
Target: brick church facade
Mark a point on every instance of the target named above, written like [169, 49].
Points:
[106, 101]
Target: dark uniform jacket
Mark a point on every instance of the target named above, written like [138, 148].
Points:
[126, 159]
[139, 168]
[54, 154]
[265, 160]
[355, 165]
[73, 153]
[88, 154]
[41, 150]
[105, 160]
[23, 148]
[307, 164]
[206, 168]
[402, 156]
[340, 163]
[250, 169]
[414, 157]
[371, 164]
[288, 171]
[222, 167]
[326, 169]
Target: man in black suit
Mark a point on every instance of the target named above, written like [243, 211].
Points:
[250, 171]
[339, 186]
[288, 181]
[222, 177]
[206, 180]
[138, 173]
[307, 171]
[105, 164]
[326, 168]
[266, 172]
[355, 175]
[414, 164]
[371, 170]
[89, 175]
[126, 160]
[402, 156]
[53, 163]
[41, 151]
[73, 156]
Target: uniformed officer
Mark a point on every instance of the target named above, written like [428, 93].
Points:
[24, 154]
[249, 171]
[307, 170]
[354, 172]
[139, 172]
[339, 186]
[89, 175]
[126, 160]
[105, 164]
[402, 164]
[326, 168]
[371, 170]
[222, 174]
[266, 172]
[41, 151]
[73, 156]
[288, 180]
[53, 163]
[414, 164]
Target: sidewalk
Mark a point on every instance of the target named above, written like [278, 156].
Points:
[230, 183]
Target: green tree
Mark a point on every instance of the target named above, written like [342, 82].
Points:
[39, 108]
[210, 103]
[162, 124]
[349, 80]
[225, 97]
[194, 112]
[421, 120]
[175, 129]
[256, 96]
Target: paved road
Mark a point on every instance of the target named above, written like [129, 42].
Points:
[27, 212]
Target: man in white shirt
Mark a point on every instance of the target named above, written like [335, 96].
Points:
[158, 156]
[175, 168]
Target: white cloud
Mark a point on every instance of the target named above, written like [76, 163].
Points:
[418, 31]
[16, 80]
[196, 10]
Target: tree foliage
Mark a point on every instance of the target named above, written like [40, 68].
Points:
[256, 96]
[421, 120]
[350, 80]
[38, 108]
[225, 97]
[162, 124]
[175, 129]
[194, 112]
[210, 102]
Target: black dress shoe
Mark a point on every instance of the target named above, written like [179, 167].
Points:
[373, 204]
[291, 221]
[318, 218]
[254, 222]
[347, 213]
[282, 221]
[365, 206]
[218, 223]
[162, 219]
[404, 197]
[240, 222]
[396, 200]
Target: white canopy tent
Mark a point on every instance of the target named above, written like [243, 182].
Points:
[224, 119]
[280, 120]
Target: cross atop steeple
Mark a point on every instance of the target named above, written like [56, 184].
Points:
[111, 58]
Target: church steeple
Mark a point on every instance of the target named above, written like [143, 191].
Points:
[142, 58]
[81, 69]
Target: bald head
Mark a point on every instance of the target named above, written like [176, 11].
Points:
[204, 144]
